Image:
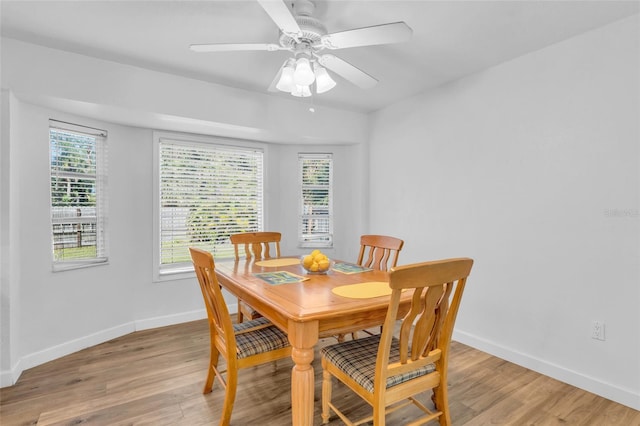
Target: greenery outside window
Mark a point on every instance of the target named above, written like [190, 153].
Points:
[206, 191]
[315, 227]
[78, 195]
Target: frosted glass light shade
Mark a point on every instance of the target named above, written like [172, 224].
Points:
[285, 84]
[324, 82]
[301, 91]
[303, 75]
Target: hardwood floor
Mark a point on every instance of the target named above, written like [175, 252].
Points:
[156, 377]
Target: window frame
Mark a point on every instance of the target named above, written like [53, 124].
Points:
[101, 194]
[185, 270]
[303, 242]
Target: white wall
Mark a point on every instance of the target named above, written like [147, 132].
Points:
[60, 307]
[46, 315]
[532, 169]
[9, 241]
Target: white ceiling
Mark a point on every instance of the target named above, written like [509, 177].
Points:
[451, 39]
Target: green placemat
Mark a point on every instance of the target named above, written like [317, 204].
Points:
[350, 268]
[279, 277]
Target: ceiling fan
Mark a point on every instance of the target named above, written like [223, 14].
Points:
[307, 38]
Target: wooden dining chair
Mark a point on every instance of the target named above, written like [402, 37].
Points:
[241, 345]
[379, 252]
[256, 245]
[388, 371]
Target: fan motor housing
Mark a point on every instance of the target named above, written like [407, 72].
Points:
[312, 32]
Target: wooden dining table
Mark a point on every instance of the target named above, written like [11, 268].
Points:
[306, 310]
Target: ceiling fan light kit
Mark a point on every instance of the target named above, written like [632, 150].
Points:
[306, 37]
[297, 78]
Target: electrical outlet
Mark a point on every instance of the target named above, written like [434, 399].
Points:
[597, 331]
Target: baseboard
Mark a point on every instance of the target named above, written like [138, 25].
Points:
[166, 320]
[10, 377]
[606, 390]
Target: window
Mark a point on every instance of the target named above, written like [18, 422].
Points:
[206, 192]
[316, 213]
[78, 195]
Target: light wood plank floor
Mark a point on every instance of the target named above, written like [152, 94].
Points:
[156, 376]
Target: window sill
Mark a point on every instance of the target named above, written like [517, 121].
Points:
[175, 274]
[315, 245]
[64, 266]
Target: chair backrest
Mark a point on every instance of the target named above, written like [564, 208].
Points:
[220, 325]
[256, 244]
[425, 331]
[377, 250]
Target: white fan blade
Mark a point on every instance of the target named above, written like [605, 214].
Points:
[379, 34]
[347, 71]
[281, 15]
[233, 47]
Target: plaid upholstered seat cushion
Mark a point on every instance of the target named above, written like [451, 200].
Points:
[357, 358]
[258, 341]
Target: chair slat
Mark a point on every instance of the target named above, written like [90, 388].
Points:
[425, 328]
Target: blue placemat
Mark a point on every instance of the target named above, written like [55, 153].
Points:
[350, 268]
[279, 277]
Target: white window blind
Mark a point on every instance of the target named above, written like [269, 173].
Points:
[316, 200]
[78, 195]
[207, 192]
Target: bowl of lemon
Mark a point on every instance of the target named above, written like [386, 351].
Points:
[315, 262]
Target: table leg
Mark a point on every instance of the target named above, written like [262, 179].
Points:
[303, 338]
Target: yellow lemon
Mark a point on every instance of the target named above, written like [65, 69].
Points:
[315, 252]
[307, 261]
[323, 265]
[314, 267]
